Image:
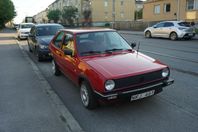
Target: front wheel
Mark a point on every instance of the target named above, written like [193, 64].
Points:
[148, 34]
[87, 96]
[173, 36]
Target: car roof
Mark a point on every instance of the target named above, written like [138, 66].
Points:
[86, 30]
[26, 23]
[47, 24]
[172, 21]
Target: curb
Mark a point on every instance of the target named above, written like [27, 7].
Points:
[70, 123]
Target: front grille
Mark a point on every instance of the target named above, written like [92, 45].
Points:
[138, 79]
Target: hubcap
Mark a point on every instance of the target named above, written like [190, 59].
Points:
[84, 95]
[147, 34]
[173, 36]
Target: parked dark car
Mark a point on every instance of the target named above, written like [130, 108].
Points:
[105, 66]
[39, 38]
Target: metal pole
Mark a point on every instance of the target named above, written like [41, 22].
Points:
[178, 10]
[113, 13]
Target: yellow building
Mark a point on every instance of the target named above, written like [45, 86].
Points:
[160, 10]
[112, 10]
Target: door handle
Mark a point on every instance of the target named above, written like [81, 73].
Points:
[58, 53]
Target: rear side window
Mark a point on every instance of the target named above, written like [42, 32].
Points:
[184, 24]
[58, 40]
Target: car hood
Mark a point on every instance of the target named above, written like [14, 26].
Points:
[44, 39]
[25, 30]
[121, 65]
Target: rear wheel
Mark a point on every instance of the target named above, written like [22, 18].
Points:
[173, 36]
[55, 69]
[87, 96]
[148, 34]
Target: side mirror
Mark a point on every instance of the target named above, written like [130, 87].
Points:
[68, 52]
[133, 45]
[154, 26]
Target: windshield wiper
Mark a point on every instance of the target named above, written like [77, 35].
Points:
[91, 52]
[112, 50]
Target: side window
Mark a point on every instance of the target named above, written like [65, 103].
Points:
[68, 42]
[32, 31]
[58, 40]
[168, 24]
[160, 25]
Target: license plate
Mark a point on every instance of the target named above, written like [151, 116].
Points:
[142, 95]
[190, 34]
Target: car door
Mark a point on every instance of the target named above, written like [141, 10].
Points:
[168, 28]
[31, 38]
[158, 30]
[56, 49]
[69, 63]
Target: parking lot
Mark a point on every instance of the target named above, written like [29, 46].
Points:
[175, 109]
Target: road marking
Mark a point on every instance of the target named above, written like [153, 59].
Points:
[70, 123]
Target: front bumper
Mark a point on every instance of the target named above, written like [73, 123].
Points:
[127, 94]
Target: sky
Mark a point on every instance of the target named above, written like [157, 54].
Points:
[29, 8]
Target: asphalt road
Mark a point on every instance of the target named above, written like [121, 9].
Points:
[173, 110]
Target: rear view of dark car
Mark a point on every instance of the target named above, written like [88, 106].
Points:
[40, 37]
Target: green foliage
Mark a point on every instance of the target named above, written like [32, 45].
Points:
[196, 30]
[7, 12]
[54, 15]
[70, 13]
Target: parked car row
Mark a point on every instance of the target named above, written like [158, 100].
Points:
[101, 62]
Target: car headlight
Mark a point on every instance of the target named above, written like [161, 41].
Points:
[165, 72]
[43, 46]
[109, 85]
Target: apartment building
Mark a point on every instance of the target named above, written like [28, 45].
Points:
[159, 10]
[101, 10]
[41, 17]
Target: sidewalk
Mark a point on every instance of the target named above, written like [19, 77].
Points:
[26, 102]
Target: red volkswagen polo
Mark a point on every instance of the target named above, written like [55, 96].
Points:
[105, 66]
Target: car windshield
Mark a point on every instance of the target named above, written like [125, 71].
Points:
[48, 30]
[26, 25]
[100, 42]
[184, 24]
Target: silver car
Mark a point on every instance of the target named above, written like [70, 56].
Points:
[170, 29]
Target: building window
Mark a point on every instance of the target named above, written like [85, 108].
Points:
[122, 2]
[190, 4]
[105, 3]
[157, 9]
[167, 8]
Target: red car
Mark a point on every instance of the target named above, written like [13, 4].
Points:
[105, 66]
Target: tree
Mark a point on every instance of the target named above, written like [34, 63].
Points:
[7, 12]
[54, 15]
[70, 13]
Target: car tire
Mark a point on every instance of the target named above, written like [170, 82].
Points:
[55, 68]
[148, 34]
[173, 36]
[87, 96]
